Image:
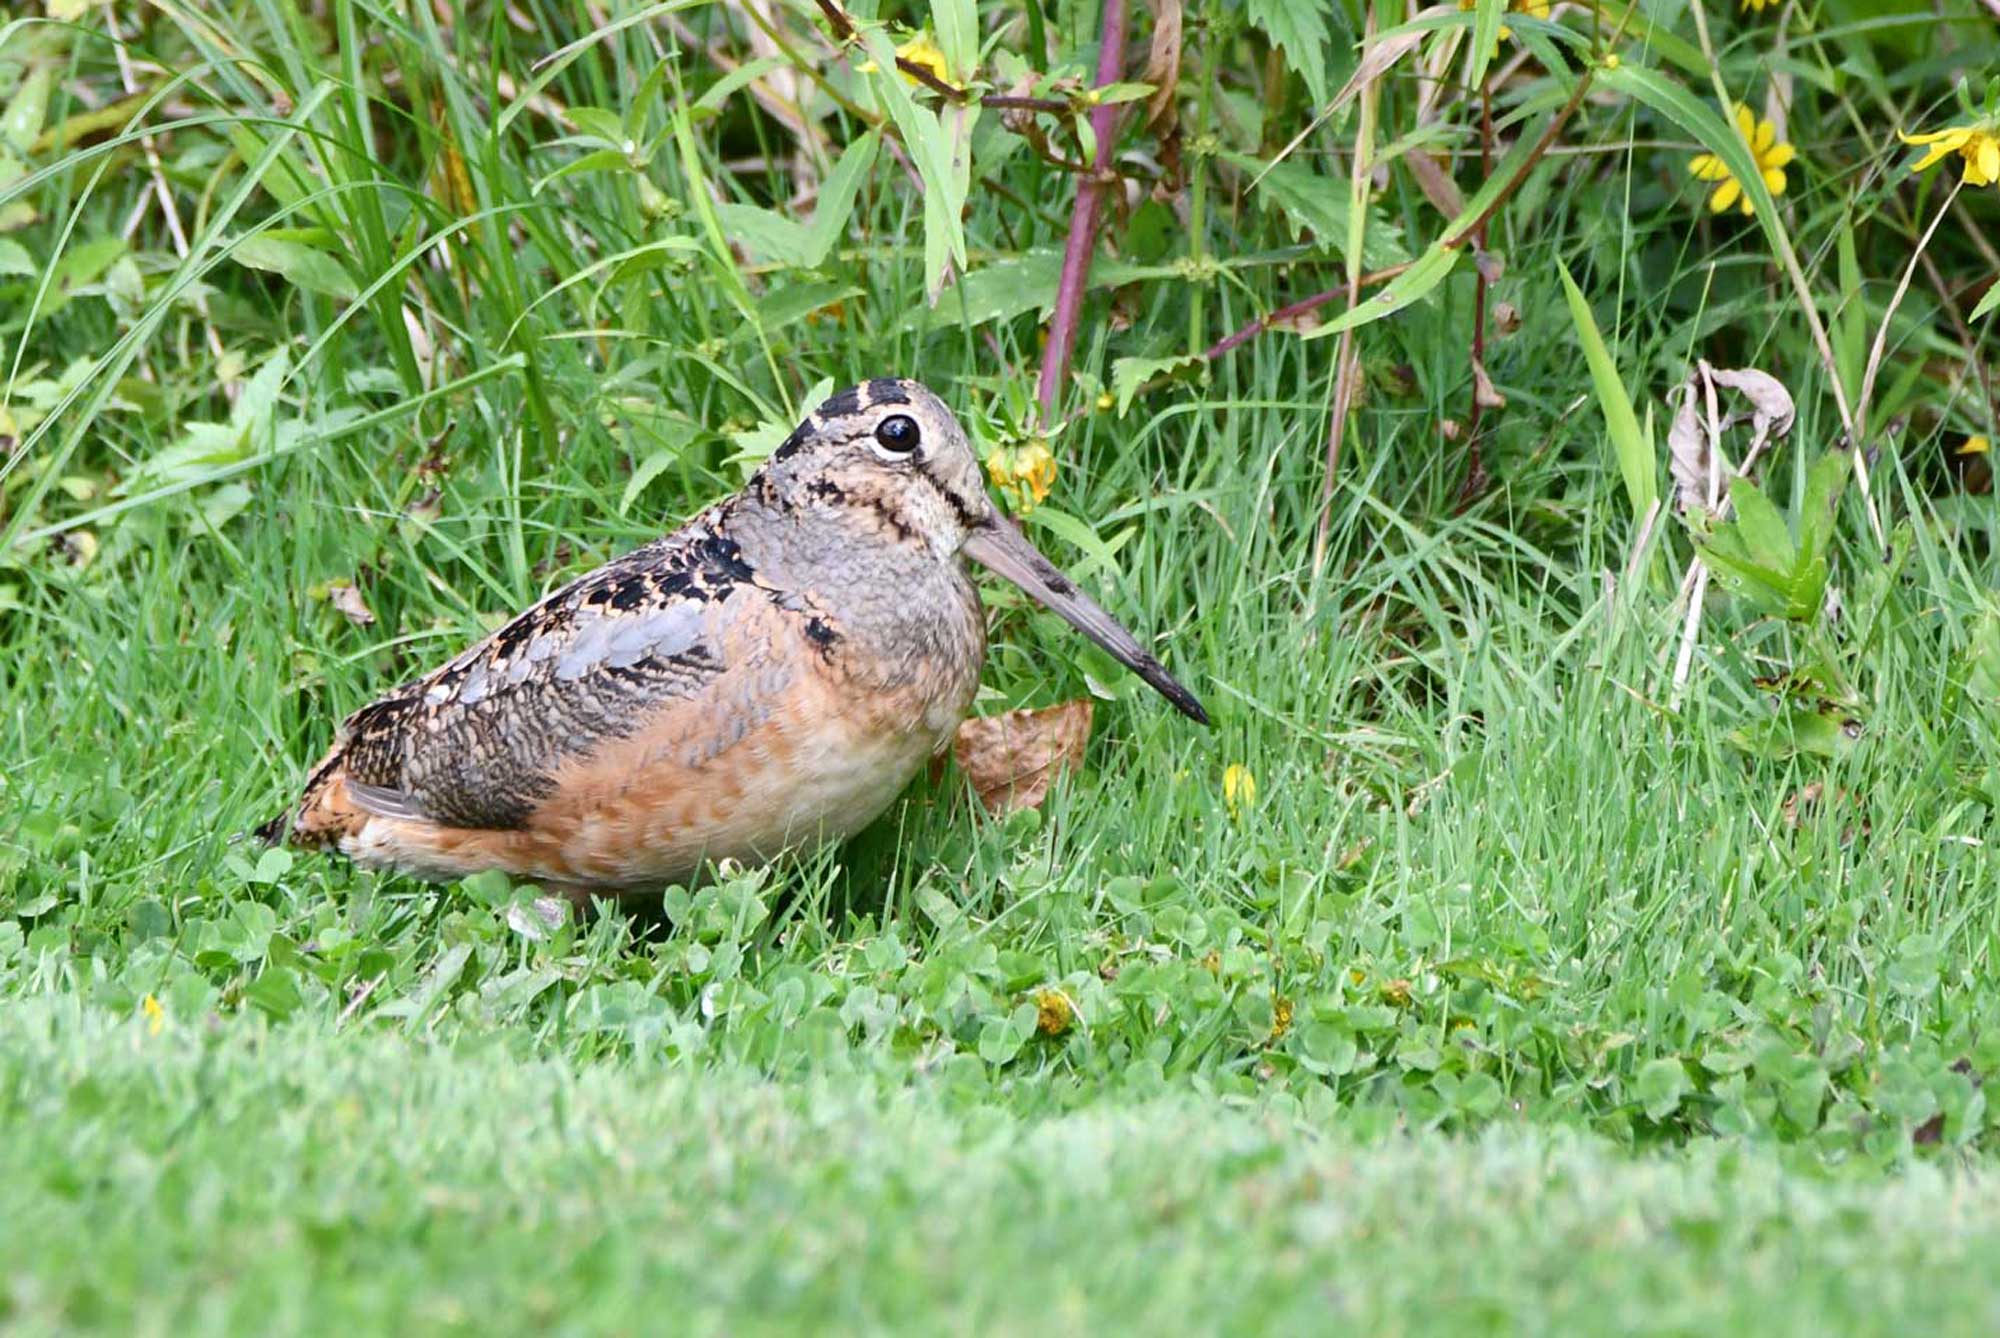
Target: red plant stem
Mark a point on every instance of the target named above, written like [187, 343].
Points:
[1230, 342]
[1082, 243]
[1475, 469]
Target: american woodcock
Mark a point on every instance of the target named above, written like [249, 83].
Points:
[772, 673]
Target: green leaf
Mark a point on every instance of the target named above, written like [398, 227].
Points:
[1404, 291]
[1319, 204]
[837, 195]
[1632, 448]
[253, 408]
[21, 123]
[14, 259]
[932, 153]
[1298, 27]
[1765, 536]
[598, 160]
[275, 992]
[1075, 533]
[649, 469]
[1987, 304]
[1111, 95]
[1660, 1086]
[796, 301]
[1824, 486]
[1000, 291]
[1485, 40]
[749, 72]
[1129, 375]
[605, 125]
[998, 1042]
[766, 234]
[298, 264]
[957, 25]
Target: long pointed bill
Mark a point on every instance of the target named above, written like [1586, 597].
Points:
[1001, 549]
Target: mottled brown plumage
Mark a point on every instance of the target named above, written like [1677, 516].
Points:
[772, 673]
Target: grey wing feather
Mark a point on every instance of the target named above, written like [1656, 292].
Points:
[384, 802]
[476, 743]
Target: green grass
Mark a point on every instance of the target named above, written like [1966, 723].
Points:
[1528, 992]
[279, 1179]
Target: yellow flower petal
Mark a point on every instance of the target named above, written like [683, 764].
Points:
[1725, 195]
[1774, 181]
[1986, 161]
[1929, 160]
[1749, 209]
[1745, 122]
[1978, 445]
[1951, 138]
[1779, 156]
[1707, 167]
[1767, 135]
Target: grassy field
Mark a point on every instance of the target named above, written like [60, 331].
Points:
[1568, 964]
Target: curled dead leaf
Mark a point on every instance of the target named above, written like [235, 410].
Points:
[1701, 469]
[352, 606]
[1771, 408]
[1483, 393]
[1163, 65]
[1012, 759]
[1438, 188]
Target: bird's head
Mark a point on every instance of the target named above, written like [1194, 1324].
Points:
[887, 457]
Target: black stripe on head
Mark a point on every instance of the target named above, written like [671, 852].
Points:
[952, 500]
[886, 390]
[844, 403]
[789, 447]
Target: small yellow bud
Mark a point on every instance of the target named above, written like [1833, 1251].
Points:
[1239, 789]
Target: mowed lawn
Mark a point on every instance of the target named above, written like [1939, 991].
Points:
[1515, 951]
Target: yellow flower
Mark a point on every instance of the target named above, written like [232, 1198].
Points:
[1757, 6]
[1979, 146]
[1239, 788]
[156, 1016]
[1765, 147]
[1975, 446]
[919, 50]
[1534, 9]
[1025, 474]
[1053, 1012]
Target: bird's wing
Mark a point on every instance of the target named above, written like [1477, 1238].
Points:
[476, 743]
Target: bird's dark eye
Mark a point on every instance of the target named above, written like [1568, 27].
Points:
[898, 434]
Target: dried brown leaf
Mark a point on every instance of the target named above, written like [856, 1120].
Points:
[1437, 186]
[1688, 455]
[1771, 407]
[1163, 65]
[348, 600]
[1380, 56]
[1013, 758]
[1483, 393]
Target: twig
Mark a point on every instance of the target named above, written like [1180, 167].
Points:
[1694, 586]
[1346, 362]
[1082, 243]
[160, 188]
[1881, 343]
[1292, 311]
[1475, 466]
